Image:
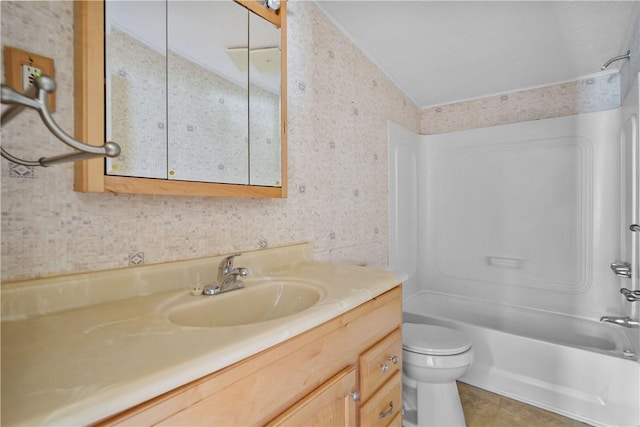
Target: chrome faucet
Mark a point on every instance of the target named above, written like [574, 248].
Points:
[227, 277]
[627, 322]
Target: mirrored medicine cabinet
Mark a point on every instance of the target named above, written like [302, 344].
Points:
[193, 91]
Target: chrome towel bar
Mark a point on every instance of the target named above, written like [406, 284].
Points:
[36, 98]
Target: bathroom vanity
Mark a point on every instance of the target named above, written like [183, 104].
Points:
[311, 379]
[107, 348]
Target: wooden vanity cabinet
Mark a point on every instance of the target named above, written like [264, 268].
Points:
[307, 380]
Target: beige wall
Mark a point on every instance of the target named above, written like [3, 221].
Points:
[595, 93]
[339, 104]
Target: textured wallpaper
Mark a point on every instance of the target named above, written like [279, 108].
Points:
[339, 104]
[597, 93]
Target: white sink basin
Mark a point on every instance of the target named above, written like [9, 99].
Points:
[259, 301]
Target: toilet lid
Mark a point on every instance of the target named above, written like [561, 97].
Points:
[431, 339]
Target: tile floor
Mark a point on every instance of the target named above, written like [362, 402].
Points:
[485, 409]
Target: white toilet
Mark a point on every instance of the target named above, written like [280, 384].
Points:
[434, 357]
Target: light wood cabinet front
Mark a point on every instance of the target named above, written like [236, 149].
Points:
[332, 404]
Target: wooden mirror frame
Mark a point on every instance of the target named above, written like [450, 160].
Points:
[89, 113]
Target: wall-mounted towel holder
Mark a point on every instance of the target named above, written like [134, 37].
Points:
[36, 97]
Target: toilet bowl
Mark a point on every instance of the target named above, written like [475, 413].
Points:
[434, 357]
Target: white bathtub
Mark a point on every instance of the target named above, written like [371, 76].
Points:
[584, 369]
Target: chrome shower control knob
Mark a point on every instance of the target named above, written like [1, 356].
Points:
[621, 269]
[631, 296]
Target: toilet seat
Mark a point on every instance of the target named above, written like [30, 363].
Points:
[433, 340]
[453, 361]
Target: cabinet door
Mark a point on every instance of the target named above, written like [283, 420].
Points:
[330, 404]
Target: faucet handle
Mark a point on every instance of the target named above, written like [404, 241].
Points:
[227, 263]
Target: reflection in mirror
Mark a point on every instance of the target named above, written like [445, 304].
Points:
[207, 100]
[135, 58]
[192, 98]
[264, 102]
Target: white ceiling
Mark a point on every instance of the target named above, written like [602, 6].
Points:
[440, 52]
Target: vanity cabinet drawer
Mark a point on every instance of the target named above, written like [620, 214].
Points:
[381, 362]
[385, 405]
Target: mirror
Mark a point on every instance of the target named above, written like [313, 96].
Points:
[136, 87]
[264, 102]
[192, 99]
[208, 97]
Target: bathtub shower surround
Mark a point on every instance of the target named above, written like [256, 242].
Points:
[491, 225]
[526, 214]
[514, 228]
[583, 369]
[339, 104]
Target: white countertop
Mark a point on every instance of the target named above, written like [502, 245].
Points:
[80, 365]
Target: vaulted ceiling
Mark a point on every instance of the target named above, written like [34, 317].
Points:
[441, 52]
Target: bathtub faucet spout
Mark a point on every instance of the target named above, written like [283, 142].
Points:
[627, 322]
